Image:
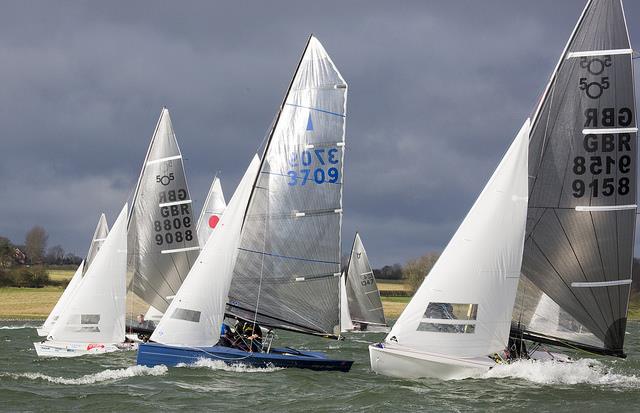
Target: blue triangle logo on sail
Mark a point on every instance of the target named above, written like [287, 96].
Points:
[309, 123]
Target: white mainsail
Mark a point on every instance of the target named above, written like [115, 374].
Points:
[195, 315]
[461, 314]
[212, 210]
[99, 235]
[96, 311]
[62, 301]
[345, 316]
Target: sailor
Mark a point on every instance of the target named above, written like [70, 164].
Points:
[251, 335]
[146, 324]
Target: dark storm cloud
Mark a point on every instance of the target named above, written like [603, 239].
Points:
[437, 92]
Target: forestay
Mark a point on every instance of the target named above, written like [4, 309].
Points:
[463, 307]
[365, 305]
[96, 311]
[162, 233]
[288, 267]
[99, 235]
[211, 212]
[582, 169]
[195, 315]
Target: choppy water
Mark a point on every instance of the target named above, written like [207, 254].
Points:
[112, 383]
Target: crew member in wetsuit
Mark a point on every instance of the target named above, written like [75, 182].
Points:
[251, 335]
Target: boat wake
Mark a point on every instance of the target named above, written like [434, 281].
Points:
[221, 365]
[583, 371]
[105, 375]
[20, 327]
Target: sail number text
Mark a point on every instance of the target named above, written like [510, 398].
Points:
[601, 171]
[174, 224]
[317, 166]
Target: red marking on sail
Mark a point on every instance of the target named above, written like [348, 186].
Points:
[213, 221]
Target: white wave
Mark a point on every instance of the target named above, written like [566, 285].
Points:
[583, 371]
[105, 375]
[221, 365]
[20, 327]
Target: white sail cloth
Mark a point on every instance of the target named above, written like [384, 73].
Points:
[62, 301]
[463, 308]
[345, 315]
[99, 235]
[212, 210]
[96, 312]
[195, 315]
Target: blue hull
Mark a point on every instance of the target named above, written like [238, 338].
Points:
[153, 354]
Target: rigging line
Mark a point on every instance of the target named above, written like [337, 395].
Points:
[264, 246]
[566, 285]
[317, 109]
[613, 317]
[288, 257]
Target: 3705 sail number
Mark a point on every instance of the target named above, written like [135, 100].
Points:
[318, 166]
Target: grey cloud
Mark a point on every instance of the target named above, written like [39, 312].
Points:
[437, 92]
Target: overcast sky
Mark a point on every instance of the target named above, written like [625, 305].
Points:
[437, 90]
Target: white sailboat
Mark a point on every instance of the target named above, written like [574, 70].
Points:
[359, 296]
[459, 319]
[195, 314]
[99, 235]
[276, 264]
[93, 321]
[211, 213]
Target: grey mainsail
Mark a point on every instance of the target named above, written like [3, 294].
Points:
[288, 267]
[582, 186]
[363, 296]
[99, 235]
[162, 232]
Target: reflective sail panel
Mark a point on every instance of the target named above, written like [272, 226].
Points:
[162, 232]
[582, 170]
[211, 213]
[365, 305]
[99, 235]
[288, 266]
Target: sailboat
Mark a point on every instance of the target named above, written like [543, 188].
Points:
[92, 322]
[274, 259]
[360, 304]
[578, 250]
[212, 210]
[459, 319]
[99, 235]
[161, 231]
[576, 270]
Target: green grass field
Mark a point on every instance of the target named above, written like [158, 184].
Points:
[34, 303]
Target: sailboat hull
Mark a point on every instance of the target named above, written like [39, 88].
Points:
[153, 354]
[63, 349]
[407, 364]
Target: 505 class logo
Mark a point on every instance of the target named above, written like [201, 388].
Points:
[165, 179]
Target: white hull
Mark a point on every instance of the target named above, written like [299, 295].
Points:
[62, 349]
[370, 329]
[42, 332]
[407, 364]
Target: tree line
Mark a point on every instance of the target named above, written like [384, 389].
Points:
[34, 251]
[24, 265]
